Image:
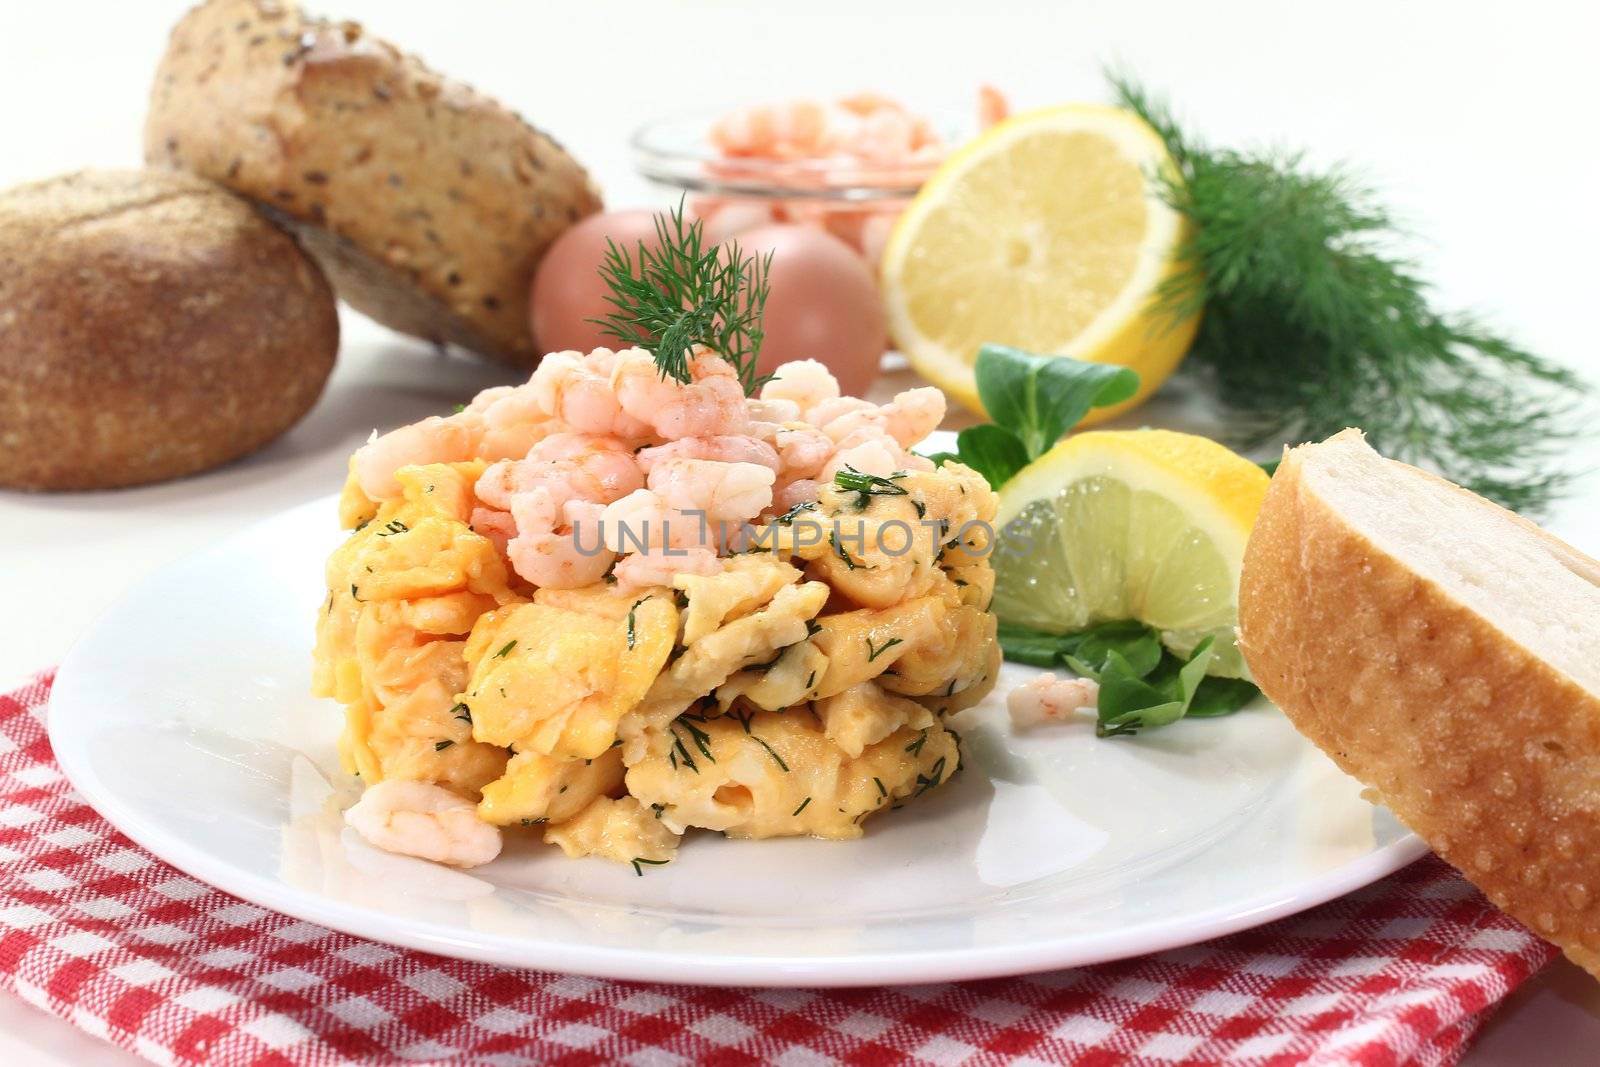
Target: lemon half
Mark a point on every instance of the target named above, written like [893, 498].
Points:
[1047, 233]
[1139, 524]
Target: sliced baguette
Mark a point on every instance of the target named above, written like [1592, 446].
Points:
[1445, 652]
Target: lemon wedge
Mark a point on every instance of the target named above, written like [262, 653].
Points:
[1047, 233]
[1136, 524]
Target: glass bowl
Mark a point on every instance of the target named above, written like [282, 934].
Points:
[850, 198]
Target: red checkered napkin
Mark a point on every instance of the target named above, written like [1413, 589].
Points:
[108, 937]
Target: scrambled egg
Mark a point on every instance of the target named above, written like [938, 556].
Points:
[556, 682]
[798, 691]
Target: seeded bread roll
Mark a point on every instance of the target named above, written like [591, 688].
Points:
[1441, 650]
[428, 205]
[152, 325]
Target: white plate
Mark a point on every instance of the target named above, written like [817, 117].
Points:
[183, 717]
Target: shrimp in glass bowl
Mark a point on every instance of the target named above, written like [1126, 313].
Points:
[846, 166]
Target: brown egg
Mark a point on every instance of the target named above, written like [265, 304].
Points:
[567, 288]
[824, 304]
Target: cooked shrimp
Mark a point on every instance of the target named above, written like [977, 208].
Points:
[660, 541]
[724, 492]
[804, 382]
[727, 449]
[577, 390]
[424, 820]
[841, 416]
[772, 410]
[711, 404]
[572, 466]
[433, 440]
[555, 547]
[803, 450]
[513, 422]
[907, 419]
[869, 449]
[791, 129]
[494, 524]
[993, 107]
[913, 414]
[642, 521]
[640, 570]
[875, 455]
[1050, 699]
[501, 422]
[564, 474]
[883, 137]
[798, 491]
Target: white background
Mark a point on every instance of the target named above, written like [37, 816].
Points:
[1475, 119]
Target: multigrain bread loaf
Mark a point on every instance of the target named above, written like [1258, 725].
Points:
[1443, 651]
[428, 204]
[152, 325]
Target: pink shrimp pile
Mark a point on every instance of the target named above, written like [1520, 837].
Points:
[600, 467]
[864, 139]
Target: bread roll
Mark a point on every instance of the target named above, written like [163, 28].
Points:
[1443, 651]
[428, 204]
[152, 325]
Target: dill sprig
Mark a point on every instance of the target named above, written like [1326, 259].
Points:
[681, 293]
[1313, 323]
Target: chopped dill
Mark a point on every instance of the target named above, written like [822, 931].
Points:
[636, 603]
[801, 808]
[440, 746]
[867, 486]
[702, 740]
[788, 517]
[771, 752]
[639, 864]
[505, 649]
[934, 776]
[833, 539]
[874, 653]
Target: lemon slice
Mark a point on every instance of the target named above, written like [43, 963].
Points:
[1137, 524]
[1046, 233]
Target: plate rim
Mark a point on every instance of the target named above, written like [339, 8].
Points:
[894, 967]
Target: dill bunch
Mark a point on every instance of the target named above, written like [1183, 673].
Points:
[1311, 324]
[680, 294]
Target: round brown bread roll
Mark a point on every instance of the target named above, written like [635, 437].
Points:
[152, 325]
[428, 205]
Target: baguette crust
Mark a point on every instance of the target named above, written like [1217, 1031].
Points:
[152, 325]
[427, 204]
[1476, 743]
